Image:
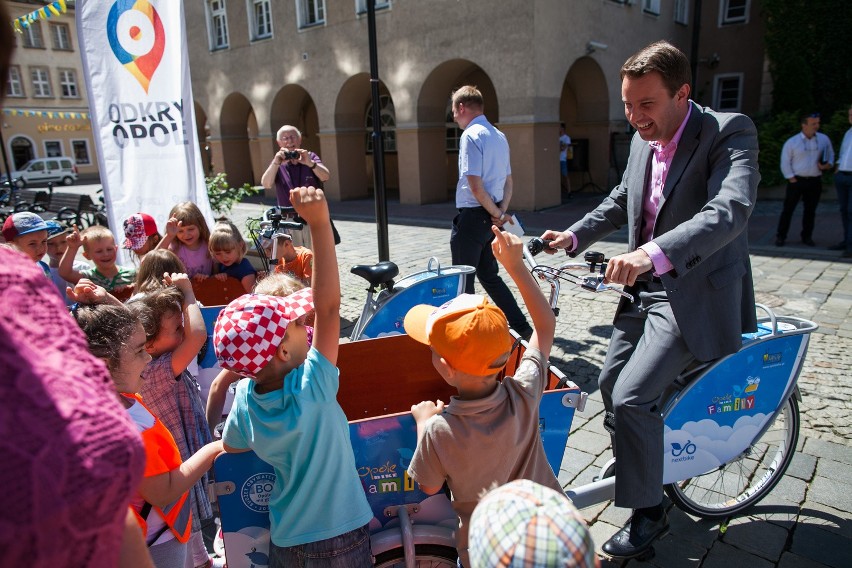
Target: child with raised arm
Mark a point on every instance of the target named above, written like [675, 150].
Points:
[289, 415]
[99, 247]
[489, 422]
[116, 335]
[175, 333]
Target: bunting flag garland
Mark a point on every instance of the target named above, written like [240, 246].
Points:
[46, 114]
[52, 9]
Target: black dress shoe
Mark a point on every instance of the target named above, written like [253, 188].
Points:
[636, 537]
[779, 242]
[809, 242]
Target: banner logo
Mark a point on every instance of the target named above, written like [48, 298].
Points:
[137, 38]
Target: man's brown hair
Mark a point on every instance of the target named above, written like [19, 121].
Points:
[665, 59]
[468, 96]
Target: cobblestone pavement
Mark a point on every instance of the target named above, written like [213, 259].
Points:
[805, 521]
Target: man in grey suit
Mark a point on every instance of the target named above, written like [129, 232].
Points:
[686, 196]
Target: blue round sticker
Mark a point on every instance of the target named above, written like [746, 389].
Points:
[256, 491]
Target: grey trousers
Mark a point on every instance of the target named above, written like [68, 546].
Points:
[646, 354]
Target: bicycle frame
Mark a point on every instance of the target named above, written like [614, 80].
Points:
[384, 312]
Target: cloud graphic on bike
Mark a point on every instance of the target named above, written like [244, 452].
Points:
[698, 447]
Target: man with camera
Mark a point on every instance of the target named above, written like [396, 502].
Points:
[292, 166]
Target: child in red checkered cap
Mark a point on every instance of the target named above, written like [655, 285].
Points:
[288, 412]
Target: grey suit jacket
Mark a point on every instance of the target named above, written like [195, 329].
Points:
[701, 226]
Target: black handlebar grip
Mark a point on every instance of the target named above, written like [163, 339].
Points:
[536, 245]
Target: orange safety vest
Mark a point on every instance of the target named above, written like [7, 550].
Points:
[161, 450]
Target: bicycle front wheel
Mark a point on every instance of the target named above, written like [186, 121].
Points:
[742, 482]
[425, 556]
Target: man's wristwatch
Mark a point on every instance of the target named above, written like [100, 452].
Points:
[313, 167]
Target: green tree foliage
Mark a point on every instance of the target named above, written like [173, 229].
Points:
[223, 197]
[809, 49]
[810, 53]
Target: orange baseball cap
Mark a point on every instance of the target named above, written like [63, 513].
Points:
[469, 332]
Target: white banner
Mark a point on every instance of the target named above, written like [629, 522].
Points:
[136, 69]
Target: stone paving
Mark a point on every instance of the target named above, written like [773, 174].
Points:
[805, 521]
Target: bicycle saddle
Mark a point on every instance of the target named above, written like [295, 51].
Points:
[375, 274]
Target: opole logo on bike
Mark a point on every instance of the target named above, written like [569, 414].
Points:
[742, 398]
[137, 38]
[256, 490]
[385, 478]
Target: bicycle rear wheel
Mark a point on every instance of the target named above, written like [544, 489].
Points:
[425, 556]
[742, 482]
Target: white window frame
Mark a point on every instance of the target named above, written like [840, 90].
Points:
[33, 36]
[717, 92]
[58, 143]
[42, 83]
[308, 18]
[681, 12]
[255, 33]
[387, 116]
[61, 41]
[217, 15]
[70, 83]
[74, 153]
[651, 7]
[724, 14]
[15, 84]
[361, 6]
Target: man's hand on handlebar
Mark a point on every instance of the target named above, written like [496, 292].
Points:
[558, 241]
[625, 268]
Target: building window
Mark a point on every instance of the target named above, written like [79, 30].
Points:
[651, 7]
[15, 86]
[261, 19]
[728, 92]
[361, 5]
[41, 82]
[733, 12]
[310, 12]
[388, 120]
[80, 149]
[681, 12]
[68, 84]
[453, 131]
[218, 24]
[32, 35]
[52, 148]
[61, 35]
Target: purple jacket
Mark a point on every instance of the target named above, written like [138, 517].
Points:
[294, 175]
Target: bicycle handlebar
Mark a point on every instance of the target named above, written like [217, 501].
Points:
[594, 263]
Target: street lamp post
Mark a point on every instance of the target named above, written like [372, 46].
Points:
[378, 147]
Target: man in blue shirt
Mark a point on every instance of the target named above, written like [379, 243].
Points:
[483, 194]
[843, 183]
[803, 159]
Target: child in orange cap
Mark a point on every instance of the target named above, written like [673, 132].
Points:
[489, 422]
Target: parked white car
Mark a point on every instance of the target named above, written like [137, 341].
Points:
[42, 170]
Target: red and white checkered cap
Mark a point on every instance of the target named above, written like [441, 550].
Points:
[249, 329]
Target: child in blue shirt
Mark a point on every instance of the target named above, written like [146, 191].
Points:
[228, 249]
[288, 412]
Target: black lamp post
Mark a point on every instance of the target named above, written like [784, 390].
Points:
[378, 146]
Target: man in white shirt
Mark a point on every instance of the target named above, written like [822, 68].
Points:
[803, 159]
[843, 184]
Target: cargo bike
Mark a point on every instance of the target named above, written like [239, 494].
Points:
[731, 428]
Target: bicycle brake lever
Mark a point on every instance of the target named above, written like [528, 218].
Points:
[595, 283]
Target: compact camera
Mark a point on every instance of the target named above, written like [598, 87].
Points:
[291, 155]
